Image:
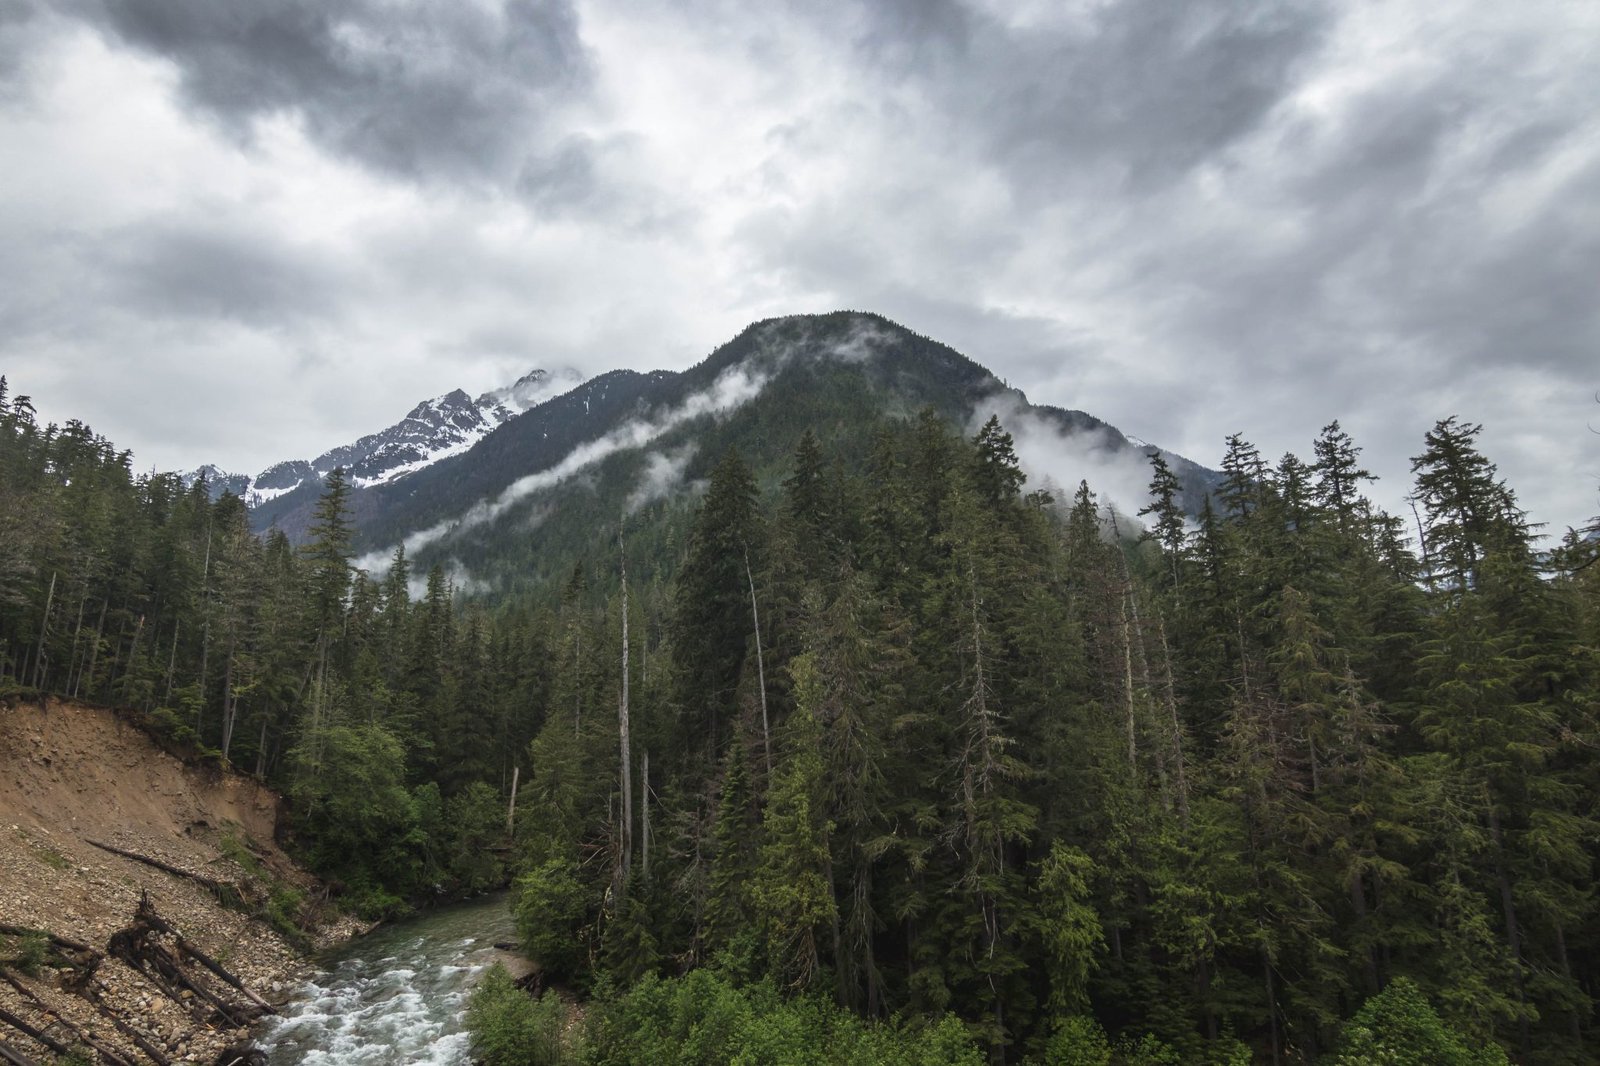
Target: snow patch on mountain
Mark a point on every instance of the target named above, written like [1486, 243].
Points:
[432, 430]
[530, 390]
[733, 388]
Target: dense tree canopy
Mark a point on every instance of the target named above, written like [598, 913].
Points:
[908, 740]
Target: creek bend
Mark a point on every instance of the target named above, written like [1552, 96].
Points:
[396, 995]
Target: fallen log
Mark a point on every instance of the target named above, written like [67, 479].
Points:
[80, 961]
[138, 1039]
[36, 1035]
[55, 941]
[13, 1056]
[148, 914]
[107, 1053]
[216, 887]
[129, 946]
[135, 946]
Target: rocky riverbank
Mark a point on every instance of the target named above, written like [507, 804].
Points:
[77, 780]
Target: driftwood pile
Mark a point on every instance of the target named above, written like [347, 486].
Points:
[194, 981]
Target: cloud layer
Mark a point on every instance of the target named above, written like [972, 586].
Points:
[239, 230]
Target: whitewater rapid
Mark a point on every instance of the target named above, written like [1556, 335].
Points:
[395, 996]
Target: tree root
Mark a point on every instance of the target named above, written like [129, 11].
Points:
[138, 947]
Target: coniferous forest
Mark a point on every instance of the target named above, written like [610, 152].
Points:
[892, 759]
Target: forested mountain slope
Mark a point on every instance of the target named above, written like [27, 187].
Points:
[627, 440]
[874, 722]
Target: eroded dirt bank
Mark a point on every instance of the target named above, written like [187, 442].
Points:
[71, 775]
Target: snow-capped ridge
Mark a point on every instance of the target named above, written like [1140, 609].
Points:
[434, 429]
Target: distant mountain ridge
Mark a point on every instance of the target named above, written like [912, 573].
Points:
[432, 430]
[511, 498]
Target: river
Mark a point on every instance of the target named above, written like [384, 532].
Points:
[397, 995]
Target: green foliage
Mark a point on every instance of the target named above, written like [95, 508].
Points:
[285, 911]
[1398, 1027]
[360, 820]
[511, 1028]
[173, 726]
[978, 761]
[1077, 1040]
[26, 953]
[703, 1020]
[1068, 925]
[551, 907]
[1147, 1050]
[474, 822]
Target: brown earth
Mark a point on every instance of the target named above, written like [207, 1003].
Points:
[70, 774]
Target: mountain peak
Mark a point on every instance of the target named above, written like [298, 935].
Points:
[434, 429]
[531, 389]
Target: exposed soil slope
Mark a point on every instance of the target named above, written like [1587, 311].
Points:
[71, 774]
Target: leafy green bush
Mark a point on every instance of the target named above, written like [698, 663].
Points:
[1398, 1027]
[703, 1019]
[510, 1028]
[170, 726]
[26, 953]
[475, 820]
[550, 910]
[1148, 1050]
[1077, 1041]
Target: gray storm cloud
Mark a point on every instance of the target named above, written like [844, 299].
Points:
[283, 218]
[432, 89]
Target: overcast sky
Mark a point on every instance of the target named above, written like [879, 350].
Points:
[239, 231]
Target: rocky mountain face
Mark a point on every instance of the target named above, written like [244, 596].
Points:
[432, 430]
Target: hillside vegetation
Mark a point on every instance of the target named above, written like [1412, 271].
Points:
[890, 736]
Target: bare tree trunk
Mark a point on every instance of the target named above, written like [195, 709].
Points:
[74, 674]
[94, 649]
[1513, 931]
[261, 751]
[1127, 667]
[205, 629]
[644, 813]
[1573, 1019]
[1169, 690]
[622, 729]
[230, 704]
[511, 808]
[133, 650]
[761, 669]
[44, 629]
[172, 659]
[1272, 1007]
